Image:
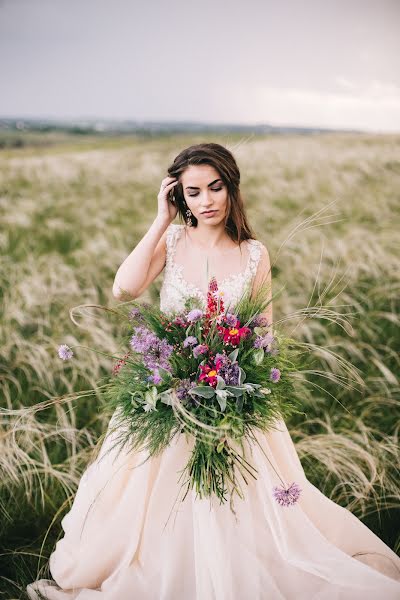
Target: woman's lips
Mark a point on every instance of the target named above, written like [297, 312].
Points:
[209, 213]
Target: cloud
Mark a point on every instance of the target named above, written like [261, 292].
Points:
[371, 107]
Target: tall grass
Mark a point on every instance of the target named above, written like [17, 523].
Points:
[72, 213]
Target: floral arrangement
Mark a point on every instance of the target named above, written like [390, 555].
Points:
[211, 374]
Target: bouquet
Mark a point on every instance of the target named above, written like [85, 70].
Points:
[211, 374]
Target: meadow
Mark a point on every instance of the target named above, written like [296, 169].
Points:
[326, 206]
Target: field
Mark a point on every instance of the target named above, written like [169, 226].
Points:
[73, 208]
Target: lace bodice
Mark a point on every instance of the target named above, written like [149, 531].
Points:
[175, 290]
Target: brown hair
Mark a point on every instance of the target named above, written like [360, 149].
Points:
[223, 161]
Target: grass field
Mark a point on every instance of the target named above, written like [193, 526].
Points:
[72, 209]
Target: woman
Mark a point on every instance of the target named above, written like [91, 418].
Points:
[120, 541]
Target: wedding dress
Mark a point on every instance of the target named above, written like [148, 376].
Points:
[128, 535]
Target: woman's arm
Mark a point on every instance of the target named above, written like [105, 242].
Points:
[263, 277]
[143, 264]
[147, 259]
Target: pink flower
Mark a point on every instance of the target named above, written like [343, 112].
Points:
[288, 496]
[65, 352]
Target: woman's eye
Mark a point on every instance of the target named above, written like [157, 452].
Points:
[213, 189]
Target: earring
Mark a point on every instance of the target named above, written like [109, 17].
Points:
[189, 219]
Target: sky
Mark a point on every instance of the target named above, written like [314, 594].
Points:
[307, 63]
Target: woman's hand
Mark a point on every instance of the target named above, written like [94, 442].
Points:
[167, 209]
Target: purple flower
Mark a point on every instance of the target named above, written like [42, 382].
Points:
[191, 340]
[135, 313]
[230, 374]
[155, 351]
[223, 358]
[179, 321]
[275, 375]
[65, 352]
[200, 349]
[287, 496]
[183, 389]
[142, 339]
[264, 341]
[155, 378]
[194, 315]
[230, 319]
[259, 321]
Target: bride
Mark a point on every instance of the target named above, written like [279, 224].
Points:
[126, 536]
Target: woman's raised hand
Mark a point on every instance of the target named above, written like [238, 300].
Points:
[167, 208]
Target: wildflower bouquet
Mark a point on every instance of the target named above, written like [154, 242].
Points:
[211, 374]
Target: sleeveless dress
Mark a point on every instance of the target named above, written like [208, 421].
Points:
[128, 536]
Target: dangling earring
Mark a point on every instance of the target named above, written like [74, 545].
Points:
[189, 218]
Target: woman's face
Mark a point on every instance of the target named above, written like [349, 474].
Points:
[204, 190]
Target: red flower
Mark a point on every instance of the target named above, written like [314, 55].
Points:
[209, 373]
[120, 363]
[233, 335]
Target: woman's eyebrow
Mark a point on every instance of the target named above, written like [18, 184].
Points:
[192, 187]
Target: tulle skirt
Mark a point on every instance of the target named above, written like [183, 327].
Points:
[129, 536]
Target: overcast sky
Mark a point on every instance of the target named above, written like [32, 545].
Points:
[289, 62]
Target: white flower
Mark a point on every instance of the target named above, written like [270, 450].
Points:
[265, 390]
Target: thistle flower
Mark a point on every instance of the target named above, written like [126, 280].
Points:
[65, 352]
[134, 313]
[275, 375]
[287, 496]
[194, 315]
[200, 349]
[259, 321]
[191, 340]
[231, 319]
[264, 341]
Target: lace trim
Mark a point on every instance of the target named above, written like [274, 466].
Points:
[173, 235]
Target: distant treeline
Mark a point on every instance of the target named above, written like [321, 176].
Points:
[14, 132]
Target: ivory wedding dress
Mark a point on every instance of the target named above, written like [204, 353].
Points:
[128, 536]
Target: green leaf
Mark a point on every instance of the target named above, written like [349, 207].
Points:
[220, 447]
[258, 356]
[233, 355]
[164, 373]
[222, 402]
[239, 403]
[221, 383]
[235, 390]
[203, 390]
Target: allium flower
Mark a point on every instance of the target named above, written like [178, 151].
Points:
[157, 355]
[275, 375]
[200, 349]
[142, 339]
[155, 378]
[287, 496]
[191, 340]
[65, 352]
[155, 351]
[194, 315]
